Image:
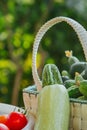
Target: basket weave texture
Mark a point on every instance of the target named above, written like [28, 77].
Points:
[78, 109]
[78, 115]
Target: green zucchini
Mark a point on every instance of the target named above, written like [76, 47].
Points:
[53, 103]
[51, 75]
[83, 87]
[74, 92]
[53, 108]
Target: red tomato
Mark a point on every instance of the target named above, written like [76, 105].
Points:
[3, 127]
[16, 121]
[3, 119]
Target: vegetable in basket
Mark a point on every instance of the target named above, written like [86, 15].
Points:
[83, 88]
[71, 59]
[53, 102]
[75, 64]
[51, 75]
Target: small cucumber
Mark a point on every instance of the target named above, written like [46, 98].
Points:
[65, 73]
[74, 92]
[71, 59]
[69, 83]
[77, 67]
[83, 87]
[51, 75]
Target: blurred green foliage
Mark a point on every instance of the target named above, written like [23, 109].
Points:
[19, 23]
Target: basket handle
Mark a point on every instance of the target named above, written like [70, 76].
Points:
[79, 29]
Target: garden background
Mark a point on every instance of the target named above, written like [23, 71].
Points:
[19, 22]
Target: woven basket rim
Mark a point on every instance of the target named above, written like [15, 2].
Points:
[74, 100]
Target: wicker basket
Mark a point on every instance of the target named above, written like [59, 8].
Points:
[78, 115]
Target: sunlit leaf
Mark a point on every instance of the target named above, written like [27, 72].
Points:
[27, 40]
[7, 64]
[9, 18]
[25, 1]
[28, 63]
[3, 36]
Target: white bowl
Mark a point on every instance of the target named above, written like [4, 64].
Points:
[6, 109]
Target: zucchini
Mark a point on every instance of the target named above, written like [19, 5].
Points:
[51, 75]
[53, 102]
[83, 87]
[53, 108]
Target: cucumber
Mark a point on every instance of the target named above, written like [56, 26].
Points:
[51, 75]
[71, 59]
[74, 92]
[77, 67]
[65, 73]
[53, 108]
[83, 87]
[69, 83]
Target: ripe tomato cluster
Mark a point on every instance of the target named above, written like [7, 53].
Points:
[13, 121]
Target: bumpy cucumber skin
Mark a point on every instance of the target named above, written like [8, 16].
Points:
[65, 73]
[53, 108]
[69, 83]
[77, 67]
[83, 87]
[74, 92]
[51, 75]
